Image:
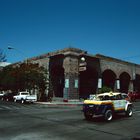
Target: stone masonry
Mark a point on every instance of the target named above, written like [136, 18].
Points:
[69, 63]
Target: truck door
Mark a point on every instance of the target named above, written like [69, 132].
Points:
[119, 103]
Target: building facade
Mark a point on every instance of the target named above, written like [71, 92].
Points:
[76, 74]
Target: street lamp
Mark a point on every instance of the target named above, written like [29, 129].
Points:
[22, 53]
[83, 59]
[82, 64]
[24, 61]
[10, 48]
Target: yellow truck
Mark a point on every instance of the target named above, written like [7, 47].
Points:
[107, 105]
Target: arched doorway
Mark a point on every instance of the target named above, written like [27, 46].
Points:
[57, 80]
[124, 82]
[88, 82]
[109, 78]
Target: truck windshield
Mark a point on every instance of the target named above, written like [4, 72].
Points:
[95, 97]
[25, 93]
[101, 98]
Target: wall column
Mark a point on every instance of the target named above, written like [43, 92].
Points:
[71, 87]
[131, 86]
[117, 85]
[100, 84]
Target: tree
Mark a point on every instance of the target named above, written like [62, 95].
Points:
[8, 79]
[105, 89]
[2, 56]
[25, 76]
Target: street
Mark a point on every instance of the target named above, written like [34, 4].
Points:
[42, 122]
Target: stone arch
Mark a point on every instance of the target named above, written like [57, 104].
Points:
[88, 81]
[125, 71]
[109, 78]
[124, 82]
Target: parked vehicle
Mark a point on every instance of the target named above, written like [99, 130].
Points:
[1, 94]
[107, 105]
[134, 95]
[8, 96]
[25, 96]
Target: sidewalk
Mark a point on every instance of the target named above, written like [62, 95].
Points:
[61, 103]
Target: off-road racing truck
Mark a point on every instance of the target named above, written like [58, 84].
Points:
[107, 104]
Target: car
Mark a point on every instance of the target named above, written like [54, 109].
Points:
[134, 95]
[107, 105]
[8, 96]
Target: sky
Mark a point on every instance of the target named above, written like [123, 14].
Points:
[35, 27]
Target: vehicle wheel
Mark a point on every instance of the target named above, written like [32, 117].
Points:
[108, 115]
[22, 101]
[7, 100]
[15, 100]
[129, 111]
[2, 99]
[88, 115]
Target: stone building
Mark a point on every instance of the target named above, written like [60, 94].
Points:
[76, 74]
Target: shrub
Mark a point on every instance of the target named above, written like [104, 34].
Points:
[105, 89]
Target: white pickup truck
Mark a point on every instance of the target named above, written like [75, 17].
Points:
[1, 94]
[25, 96]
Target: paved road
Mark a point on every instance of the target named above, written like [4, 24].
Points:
[40, 122]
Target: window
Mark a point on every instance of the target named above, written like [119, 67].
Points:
[118, 97]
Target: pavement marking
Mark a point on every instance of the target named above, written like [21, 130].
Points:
[5, 107]
[137, 111]
[136, 106]
[11, 107]
[15, 107]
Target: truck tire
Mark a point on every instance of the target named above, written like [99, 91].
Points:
[15, 100]
[88, 115]
[22, 101]
[108, 115]
[129, 111]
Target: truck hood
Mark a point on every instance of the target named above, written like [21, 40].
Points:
[97, 102]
